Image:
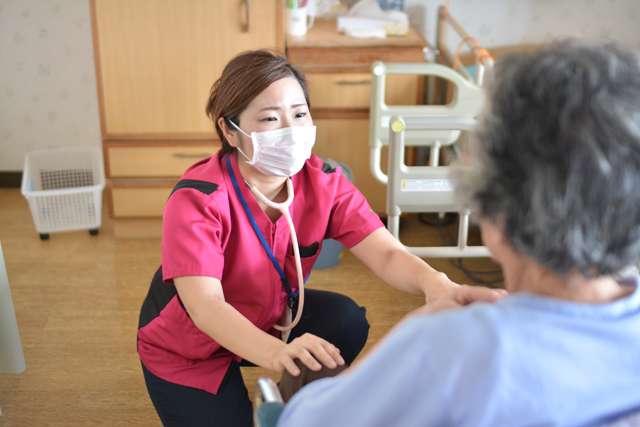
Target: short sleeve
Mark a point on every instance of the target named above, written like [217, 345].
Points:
[352, 219]
[193, 239]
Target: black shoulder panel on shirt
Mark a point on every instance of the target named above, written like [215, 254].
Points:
[202, 186]
[326, 168]
[159, 295]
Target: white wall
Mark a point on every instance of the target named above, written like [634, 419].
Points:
[48, 95]
[512, 22]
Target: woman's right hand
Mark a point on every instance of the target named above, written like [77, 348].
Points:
[311, 350]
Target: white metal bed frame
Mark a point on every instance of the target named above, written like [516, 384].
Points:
[467, 101]
[422, 188]
[425, 188]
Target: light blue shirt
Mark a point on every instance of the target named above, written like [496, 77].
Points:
[527, 360]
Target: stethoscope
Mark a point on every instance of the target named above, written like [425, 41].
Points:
[283, 207]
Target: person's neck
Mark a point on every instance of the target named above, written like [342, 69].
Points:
[526, 275]
[272, 187]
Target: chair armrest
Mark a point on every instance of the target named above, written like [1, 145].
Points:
[267, 402]
[267, 414]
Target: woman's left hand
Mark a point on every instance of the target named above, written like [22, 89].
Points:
[456, 296]
[391, 262]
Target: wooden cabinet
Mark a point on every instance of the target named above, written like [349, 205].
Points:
[158, 59]
[343, 140]
[128, 160]
[155, 64]
[339, 72]
[140, 177]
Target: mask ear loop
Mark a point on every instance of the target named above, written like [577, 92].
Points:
[250, 161]
[284, 209]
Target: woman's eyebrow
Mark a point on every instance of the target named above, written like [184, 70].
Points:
[276, 107]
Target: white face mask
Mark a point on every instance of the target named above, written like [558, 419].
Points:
[281, 152]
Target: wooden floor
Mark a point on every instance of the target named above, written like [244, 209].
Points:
[77, 299]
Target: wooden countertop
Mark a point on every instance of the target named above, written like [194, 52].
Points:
[324, 50]
[324, 34]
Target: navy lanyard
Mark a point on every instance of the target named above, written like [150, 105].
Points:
[285, 282]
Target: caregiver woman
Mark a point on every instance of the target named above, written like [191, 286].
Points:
[217, 298]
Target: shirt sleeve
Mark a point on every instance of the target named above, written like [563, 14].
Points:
[395, 385]
[352, 219]
[193, 238]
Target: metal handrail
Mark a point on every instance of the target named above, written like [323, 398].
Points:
[468, 103]
[436, 189]
[485, 63]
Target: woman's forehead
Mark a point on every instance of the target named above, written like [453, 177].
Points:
[283, 93]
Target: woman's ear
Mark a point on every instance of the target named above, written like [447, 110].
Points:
[229, 134]
[494, 239]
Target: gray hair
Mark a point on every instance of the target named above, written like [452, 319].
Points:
[556, 156]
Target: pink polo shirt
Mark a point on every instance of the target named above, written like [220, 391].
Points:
[207, 233]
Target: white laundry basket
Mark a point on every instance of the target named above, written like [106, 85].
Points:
[64, 189]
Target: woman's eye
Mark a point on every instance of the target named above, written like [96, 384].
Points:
[300, 115]
[269, 119]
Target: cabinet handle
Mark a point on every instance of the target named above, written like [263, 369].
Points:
[352, 82]
[190, 156]
[246, 15]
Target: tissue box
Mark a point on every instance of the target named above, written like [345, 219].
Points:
[354, 25]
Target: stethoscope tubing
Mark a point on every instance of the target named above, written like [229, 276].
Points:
[284, 209]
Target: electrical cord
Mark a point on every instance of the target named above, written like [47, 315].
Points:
[448, 219]
[447, 237]
[472, 275]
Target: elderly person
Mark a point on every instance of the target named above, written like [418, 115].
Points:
[554, 178]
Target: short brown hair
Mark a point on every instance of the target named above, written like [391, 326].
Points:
[242, 80]
[557, 156]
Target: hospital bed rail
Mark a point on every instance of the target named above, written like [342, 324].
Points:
[468, 99]
[425, 188]
[464, 94]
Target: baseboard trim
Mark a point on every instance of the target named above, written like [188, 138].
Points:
[10, 179]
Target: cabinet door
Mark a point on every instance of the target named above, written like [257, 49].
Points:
[347, 141]
[157, 59]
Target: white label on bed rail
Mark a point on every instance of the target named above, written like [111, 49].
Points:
[427, 185]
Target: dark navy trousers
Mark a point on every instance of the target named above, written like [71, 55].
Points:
[328, 315]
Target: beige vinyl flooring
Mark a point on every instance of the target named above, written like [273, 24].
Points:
[77, 299]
